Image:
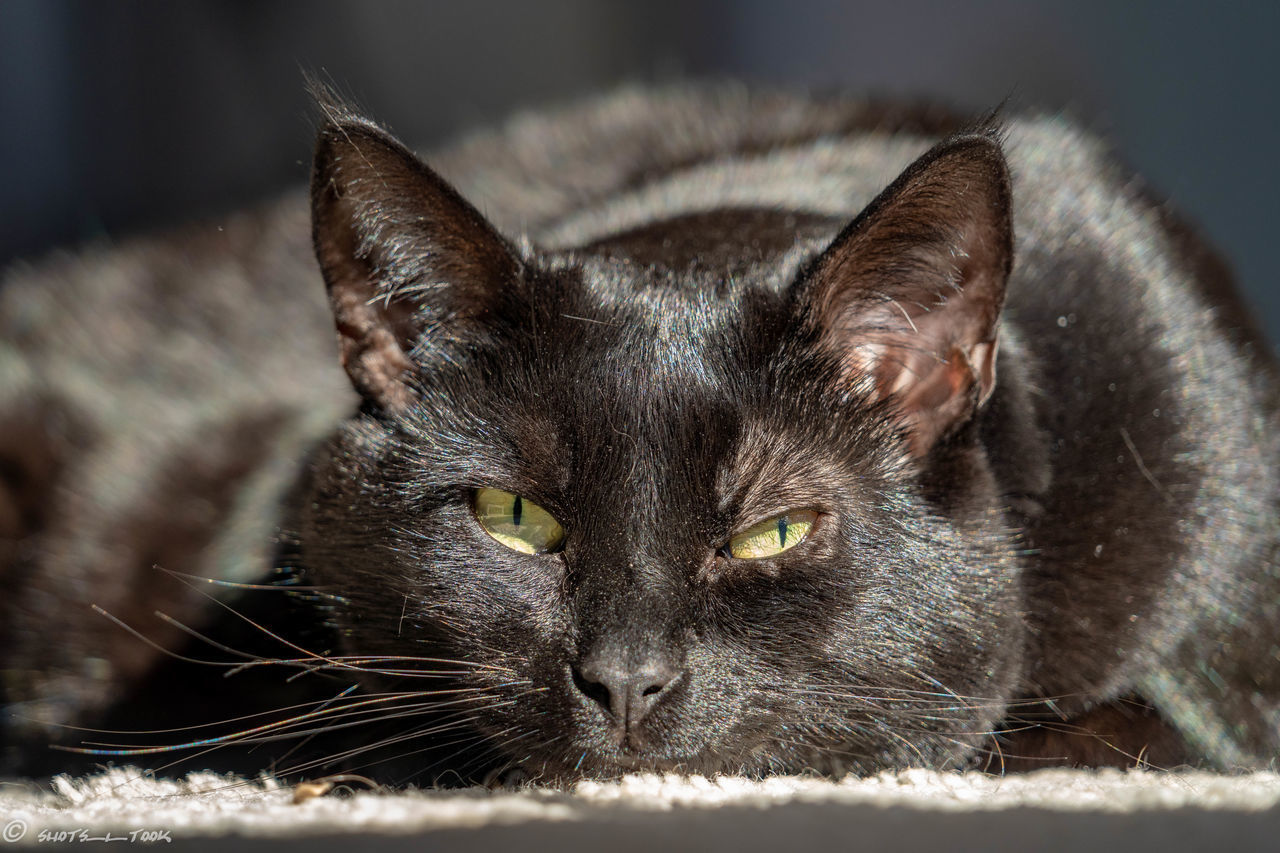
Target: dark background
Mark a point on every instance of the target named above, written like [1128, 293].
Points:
[119, 116]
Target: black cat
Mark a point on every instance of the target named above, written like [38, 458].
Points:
[748, 433]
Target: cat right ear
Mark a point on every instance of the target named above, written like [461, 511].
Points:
[400, 250]
[909, 294]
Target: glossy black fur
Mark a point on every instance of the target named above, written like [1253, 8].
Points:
[659, 330]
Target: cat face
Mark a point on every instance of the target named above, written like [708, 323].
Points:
[610, 510]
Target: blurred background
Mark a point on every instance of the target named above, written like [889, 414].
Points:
[122, 116]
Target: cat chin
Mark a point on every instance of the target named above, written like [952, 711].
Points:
[606, 768]
[588, 756]
[754, 757]
[756, 763]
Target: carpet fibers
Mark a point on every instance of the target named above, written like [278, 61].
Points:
[1044, 810]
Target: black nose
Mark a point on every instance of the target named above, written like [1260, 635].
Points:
[627, 692]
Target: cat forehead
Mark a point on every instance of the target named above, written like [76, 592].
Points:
[727, 242]
[665, 346]
[668, 310]
[717, 253]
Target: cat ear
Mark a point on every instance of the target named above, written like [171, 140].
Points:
[400, 250]
[909, 294]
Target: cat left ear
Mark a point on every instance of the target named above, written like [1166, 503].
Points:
[909, 294]
[400, 250]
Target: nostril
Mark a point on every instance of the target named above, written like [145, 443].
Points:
[625, 694]
[653, 681]
[593, 689]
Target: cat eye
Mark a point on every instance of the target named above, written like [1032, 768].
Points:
[773, 536]
[517, 523]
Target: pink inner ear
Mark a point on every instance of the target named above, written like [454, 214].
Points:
[932, 363]
[910, 292]
[944, 393]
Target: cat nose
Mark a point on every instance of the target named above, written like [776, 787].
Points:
[627, 692]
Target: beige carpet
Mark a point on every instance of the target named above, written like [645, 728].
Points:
[1046, 810]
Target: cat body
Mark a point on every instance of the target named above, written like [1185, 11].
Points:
[1011, 403]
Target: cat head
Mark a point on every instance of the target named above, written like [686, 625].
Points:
[661, 502]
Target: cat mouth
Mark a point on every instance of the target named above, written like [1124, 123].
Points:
[631, 763]
[709, 761]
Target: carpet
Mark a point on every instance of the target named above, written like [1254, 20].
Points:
[909, 810]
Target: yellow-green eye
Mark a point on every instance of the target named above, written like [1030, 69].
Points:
[519, 524]
[772, 537]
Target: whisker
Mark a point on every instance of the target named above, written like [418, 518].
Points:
[268, 731]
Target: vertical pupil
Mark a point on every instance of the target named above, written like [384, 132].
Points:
[516, 509]
[782, 532]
